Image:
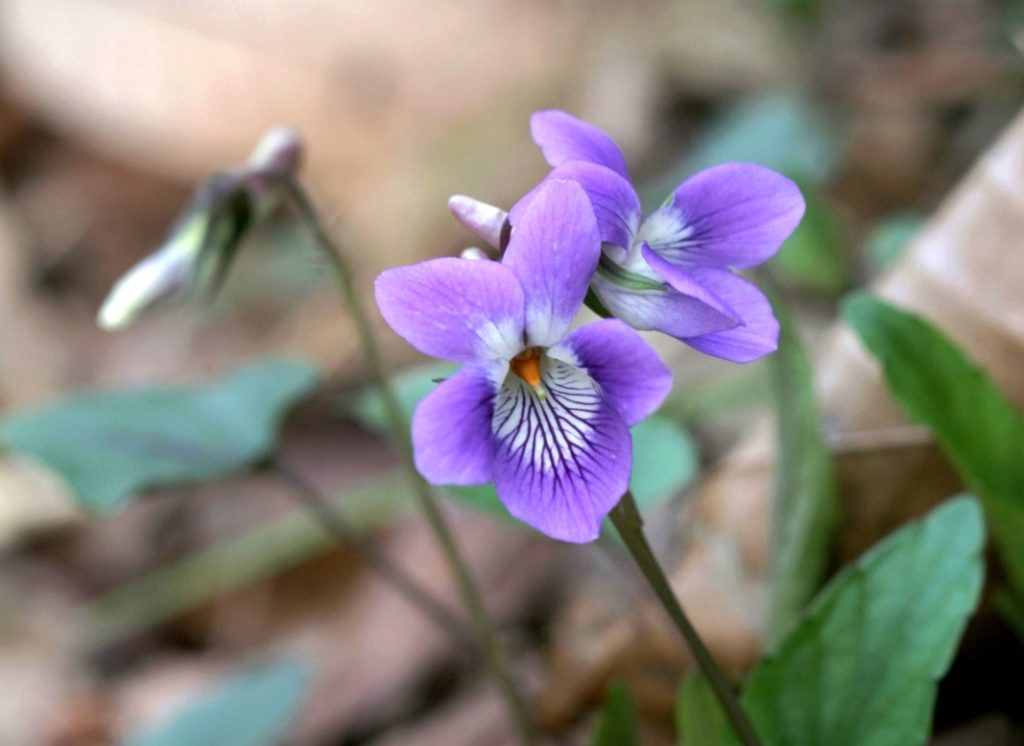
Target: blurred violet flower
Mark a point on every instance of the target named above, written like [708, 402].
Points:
[542, 412]
[672, 272]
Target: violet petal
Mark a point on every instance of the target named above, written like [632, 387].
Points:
[553, 251]
[455, 309]
[563, 138]
[451, 430]
[759, 334]
[733, 215]
[628, 370]
[562, 462]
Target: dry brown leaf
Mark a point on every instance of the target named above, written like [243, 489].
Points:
[34, 500]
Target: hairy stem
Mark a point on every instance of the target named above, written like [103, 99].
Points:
[482, 624]
[627, 521]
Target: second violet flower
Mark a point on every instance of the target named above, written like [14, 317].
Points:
[542, 412]
[672, 272]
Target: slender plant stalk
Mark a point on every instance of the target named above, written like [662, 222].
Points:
[626, 519]
[335, 523]
[482, 624]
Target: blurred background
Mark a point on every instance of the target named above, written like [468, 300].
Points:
[111, 111]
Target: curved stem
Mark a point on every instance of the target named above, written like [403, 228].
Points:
[627, 521]
[482, 624]
[335, 523]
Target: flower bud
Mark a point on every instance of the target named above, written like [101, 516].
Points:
[157, 278]
[279, 151]
[484, 220]
[201, 246]
[475, 254]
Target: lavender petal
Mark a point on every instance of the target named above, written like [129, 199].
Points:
[664, 310]
[628, 370]
[562, 462]
[615, 202]
[563, 138]
[451, 430]
[553, 251]
[759, 334]
[456, 309]
[733, 215]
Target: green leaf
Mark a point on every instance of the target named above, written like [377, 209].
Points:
[888, 239]
[977, 426]
[734, 390]
[263, 552]
[252, 709]
[813, 256]
[410, 387]
[110, 445]
[618, 724]
[665, 460]
[1013, 23]
[806, 504]
[862, 668]
[699, 718]
[483, 498]
[664, 456]
[804, 12]
[784, 132]
[1011, 607]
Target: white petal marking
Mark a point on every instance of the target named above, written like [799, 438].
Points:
[666, 231]
[550, 433]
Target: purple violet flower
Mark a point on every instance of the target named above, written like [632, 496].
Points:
[673, 272]
[542, 412]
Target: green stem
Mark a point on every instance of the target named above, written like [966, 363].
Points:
[482, 624]
[626, 519]
[335, 523]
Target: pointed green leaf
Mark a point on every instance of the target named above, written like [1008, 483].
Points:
[699, 718]
[252, 709]
[618, 724]
[806, 505]
[977, 426]
[862, 668]
[111, 445]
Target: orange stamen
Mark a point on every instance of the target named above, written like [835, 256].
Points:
[526, 365]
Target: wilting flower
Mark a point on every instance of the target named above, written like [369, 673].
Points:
[672, 272]
[202, 244]
[542, 412]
